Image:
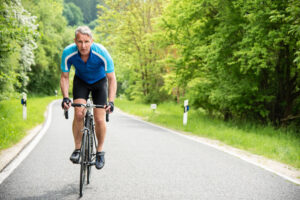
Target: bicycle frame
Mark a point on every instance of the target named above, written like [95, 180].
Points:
[89, 130]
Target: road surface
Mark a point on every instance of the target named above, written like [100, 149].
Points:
[142, 162]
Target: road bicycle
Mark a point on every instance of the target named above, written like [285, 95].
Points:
[88, 143]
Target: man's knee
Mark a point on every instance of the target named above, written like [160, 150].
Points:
[79, 115]
[99, 120]
[99, 116]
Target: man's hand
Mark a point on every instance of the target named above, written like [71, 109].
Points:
[66, 103]
[110, 107]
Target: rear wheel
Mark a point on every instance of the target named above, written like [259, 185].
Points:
[83, 162]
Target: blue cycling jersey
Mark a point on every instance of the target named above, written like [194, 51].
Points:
[98, 64]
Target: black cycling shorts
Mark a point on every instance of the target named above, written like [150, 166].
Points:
[81, 90]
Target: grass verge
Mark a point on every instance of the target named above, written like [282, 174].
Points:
[12, 126]
[275, 144]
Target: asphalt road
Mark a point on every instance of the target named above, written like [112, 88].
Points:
[142, 162]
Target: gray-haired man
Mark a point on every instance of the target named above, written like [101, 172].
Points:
[93, 67]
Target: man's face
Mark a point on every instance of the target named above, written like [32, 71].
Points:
[83, 43]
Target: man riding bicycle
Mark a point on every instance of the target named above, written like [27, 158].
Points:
[93, 68]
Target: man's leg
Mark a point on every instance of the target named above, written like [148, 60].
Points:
[80, 94]
[99, 94]
[78, 123]
[77, 127]
[100, 127]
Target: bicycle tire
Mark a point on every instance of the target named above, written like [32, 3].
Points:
[92, 149]
[83, 162]
[88, 121]
[89, 167]
[89, 159]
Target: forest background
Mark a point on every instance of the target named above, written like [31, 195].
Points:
[233, 59]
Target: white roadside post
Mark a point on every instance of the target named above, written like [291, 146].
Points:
[185, 114]
[24, 102]
[153, 107]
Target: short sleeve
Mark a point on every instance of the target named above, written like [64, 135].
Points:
[68, 52]
[109, 62]
[64, 62]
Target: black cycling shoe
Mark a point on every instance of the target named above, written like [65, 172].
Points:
[75, 156]
[100, 161]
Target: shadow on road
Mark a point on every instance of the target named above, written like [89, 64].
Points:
[69, 191]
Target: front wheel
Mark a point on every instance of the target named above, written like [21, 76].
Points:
[83, 162]
[89, 157]
[91, 149]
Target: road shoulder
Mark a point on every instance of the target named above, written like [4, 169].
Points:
[8, 155]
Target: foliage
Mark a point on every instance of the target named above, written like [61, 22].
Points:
[126, 28]
[31, 46]
[45, 74]
[73, 14]
[88, 9]
[235, 59]
[18, 34]
[238, 58]
[93, 24]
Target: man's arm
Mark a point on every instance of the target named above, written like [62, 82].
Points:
[64, 86]
[112, 86]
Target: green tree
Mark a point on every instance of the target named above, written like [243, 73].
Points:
[126, 27]
[270, 52]
[88, 9]
[8, 32]
[18, 34]
[45, 74]
[237, 58]
[73, 14]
